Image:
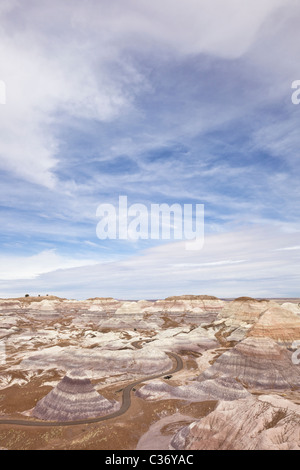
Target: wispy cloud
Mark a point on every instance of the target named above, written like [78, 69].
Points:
[30, 267]
[162, 102]
[289, 248]
[251, 268]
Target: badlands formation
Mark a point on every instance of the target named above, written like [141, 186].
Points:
[188, 372]
[74, 398]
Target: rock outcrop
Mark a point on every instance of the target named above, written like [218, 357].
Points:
[146, 361]
[74, 398]
[222, 388]
[239, 316]
[295, 308]
[180, 339]
[245, 310]
[258, 363]
[264, 423]
[264, 318]
[278, 323]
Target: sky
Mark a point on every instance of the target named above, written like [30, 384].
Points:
[176, 102]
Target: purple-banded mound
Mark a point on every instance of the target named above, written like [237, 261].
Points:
[74, 398]
[257, 363]
[267, 422]
[221, 388]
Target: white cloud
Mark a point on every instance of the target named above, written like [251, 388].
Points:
[85, 62]
[59, 59]
[29, 267]
[223, 28]
[251, 268]
[289, 248]
[43, 81]
[213, 263]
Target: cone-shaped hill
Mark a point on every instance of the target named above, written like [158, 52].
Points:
[74, 398]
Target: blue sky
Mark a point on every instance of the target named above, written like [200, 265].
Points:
[164, 102]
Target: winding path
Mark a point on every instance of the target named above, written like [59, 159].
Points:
[126, 402]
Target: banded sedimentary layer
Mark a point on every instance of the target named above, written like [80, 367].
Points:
[258, 363]
[264, 423]
[278, 323]
[146, 361]
[239, 316]
[188, 339]
[245, 309]
[222, 388]
[74, 398]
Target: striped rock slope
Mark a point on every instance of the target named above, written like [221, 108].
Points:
[222, 388]
[257, 363]
[245, 309]
[74, 398]
[240, 315]
[264, 423]
[278, 323]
